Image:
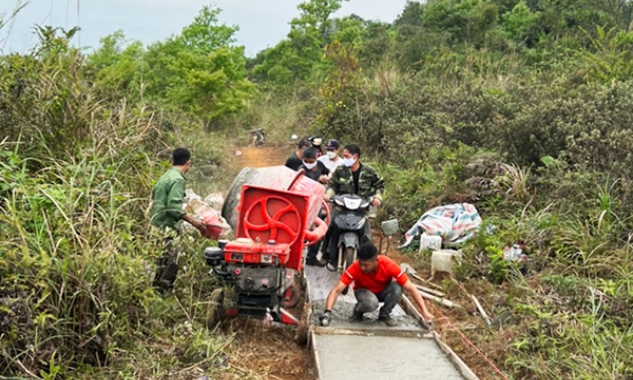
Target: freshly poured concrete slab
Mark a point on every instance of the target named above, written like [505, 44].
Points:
[371, 350]
[350, 357]
[320, 281]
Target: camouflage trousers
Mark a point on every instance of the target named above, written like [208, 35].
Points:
[167, 265]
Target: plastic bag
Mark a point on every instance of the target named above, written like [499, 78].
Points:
[208, 210]
[455, 223]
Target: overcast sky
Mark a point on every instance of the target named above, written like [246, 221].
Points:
[262, 22]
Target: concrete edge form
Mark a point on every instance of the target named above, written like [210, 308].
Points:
[315, 354]
[373, 332]
[455, 359]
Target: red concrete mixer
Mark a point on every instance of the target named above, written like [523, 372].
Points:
[274, 213]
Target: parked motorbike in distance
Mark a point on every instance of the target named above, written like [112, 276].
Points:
[351, 223]
[258, 136]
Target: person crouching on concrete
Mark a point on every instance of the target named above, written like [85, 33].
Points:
[376, 279]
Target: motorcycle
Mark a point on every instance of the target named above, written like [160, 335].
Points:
[351, 223]
[258, 136]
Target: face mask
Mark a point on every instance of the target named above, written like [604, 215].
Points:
[331, 155]
[349, 162]
[309, 166]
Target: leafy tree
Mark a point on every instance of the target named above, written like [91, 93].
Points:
[564, 20]
[199, 71]
[519, 24]
[295, 58]
[350, 30]
[412, 39]
[115, 68]
[464, 20]
[377, 44]
[339, 93]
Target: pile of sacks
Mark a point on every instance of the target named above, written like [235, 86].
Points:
[208, 210]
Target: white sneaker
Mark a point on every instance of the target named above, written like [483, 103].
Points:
[330, 267]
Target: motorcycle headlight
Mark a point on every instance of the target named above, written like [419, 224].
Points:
[352, 204]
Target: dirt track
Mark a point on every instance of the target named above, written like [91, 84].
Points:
[258, 157]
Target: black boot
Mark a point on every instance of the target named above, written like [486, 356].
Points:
[314, 261]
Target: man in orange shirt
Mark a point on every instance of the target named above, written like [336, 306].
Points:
[376, 279]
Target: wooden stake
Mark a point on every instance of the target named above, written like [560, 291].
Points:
[431, 291]
[442, 301]
[417, 277]
[481, 310]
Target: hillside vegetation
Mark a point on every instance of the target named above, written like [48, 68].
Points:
[522, 107]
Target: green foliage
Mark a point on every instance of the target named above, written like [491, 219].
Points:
[198, 72]
[522, 107]
[76, 261]
[519, 24]
[39, 90]
[116, 68]
[76, 254]
[341, 87]
[612, 57]
[465, 21]
[298, 58]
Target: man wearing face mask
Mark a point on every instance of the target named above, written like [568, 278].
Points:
[353, 177]
[316, 171]
[331, 160]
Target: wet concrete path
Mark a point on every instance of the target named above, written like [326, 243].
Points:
[370, 350]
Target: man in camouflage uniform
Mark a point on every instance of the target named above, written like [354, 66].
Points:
[167, 215]
[353, 177]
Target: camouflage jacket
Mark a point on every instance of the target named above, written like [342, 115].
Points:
[370, 184]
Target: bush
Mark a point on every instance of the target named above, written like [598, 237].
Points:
[76, 251]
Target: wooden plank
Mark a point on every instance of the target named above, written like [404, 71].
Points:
[315, 354]
[431, 291]
[481, 310]
[319, 330]
[455, 359]
[410, 309]
[417, 277]
[442, 301]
